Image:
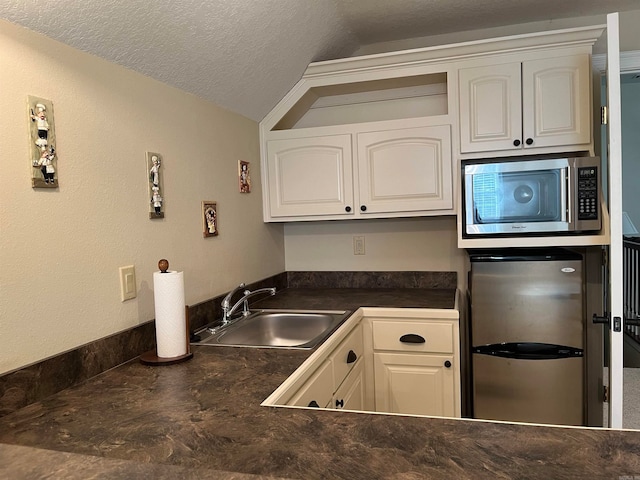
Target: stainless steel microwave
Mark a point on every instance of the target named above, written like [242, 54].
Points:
[534, 196]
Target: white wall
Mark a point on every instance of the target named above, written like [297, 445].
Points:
[390, 245]
[60, 249]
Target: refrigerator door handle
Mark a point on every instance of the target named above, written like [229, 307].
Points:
[528, 351]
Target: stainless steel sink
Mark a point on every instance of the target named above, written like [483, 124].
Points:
[276, 328]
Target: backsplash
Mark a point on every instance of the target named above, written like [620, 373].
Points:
[372, 279]
[36, 382]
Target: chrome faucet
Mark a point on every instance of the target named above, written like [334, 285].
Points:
[227, 301]
[244, 301]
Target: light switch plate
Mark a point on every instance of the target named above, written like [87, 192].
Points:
[127, 282]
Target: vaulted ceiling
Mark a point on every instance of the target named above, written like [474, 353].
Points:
[244, 55]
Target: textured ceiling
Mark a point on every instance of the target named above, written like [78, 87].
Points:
[245, 55]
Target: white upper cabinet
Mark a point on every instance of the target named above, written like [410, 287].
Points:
[380, 136]
[310, 176]
[526, 105]
[395, 172]
[556, 99]
[405, 170]
[490, 108]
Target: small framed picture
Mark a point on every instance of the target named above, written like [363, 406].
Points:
[155, 180]
[209, 219]
[43, 159]
[244, 179]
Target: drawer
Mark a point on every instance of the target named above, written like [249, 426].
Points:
[438, 337]
[318, 389]
[346, 354]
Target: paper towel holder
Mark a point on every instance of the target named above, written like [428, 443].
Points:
[151, 357]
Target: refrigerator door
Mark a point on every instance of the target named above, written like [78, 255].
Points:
[527, 338]
[535, 391]
[527, 301]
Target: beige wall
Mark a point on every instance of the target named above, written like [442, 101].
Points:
[60, 249]
[390, 245]
[629, 34]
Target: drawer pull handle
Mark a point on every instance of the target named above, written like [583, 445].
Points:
[340, 403]
[412, 338]
[313, 404]
[447, 364]
[351, 356]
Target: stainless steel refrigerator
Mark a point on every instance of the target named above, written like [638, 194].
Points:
[527, 336]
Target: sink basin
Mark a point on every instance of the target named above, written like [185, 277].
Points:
[278, 328]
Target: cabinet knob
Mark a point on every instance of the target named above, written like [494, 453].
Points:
[516, 143]
[412, 338]
[347, 209]
[363, 208]
[529, 141]
[351, 356]
[339, 403]
[447, 364]
[313, 404]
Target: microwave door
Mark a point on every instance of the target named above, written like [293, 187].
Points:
[516, 201]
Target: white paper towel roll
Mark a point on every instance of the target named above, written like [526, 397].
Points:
[171, 325]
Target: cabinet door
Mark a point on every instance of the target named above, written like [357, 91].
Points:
[350, 395]
[310, 176]
[556, 98]
[490, 108]
[405, 170]
[414, 384]
[317, 391]
[347, 354]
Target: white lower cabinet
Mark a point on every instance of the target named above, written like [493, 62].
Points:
[317, 391]
[350, 395]
[338, 381]
[414, 384]
[416, 366]
[407, 365]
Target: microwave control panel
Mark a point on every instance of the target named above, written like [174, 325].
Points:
[588, 193]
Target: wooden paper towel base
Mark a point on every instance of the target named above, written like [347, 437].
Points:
[152, 358]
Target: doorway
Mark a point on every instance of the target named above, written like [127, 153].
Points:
[630, 115]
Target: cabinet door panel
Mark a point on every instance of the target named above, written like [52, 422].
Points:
[556, 98]
[318, 389]
[490, 108]
[414, 384]
[347, 354]
[405, 170]
[310, 176]
[350, 395]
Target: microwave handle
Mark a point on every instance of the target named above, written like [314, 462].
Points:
[568, 195]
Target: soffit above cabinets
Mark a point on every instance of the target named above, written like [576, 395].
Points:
[407, 68]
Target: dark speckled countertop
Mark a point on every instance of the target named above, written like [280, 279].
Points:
[203, 419]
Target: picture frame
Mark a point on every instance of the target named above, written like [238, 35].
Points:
[244, 177]
[43, 155]
[209, 219]
[155, 181]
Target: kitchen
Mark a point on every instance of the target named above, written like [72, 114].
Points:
[60, 270]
